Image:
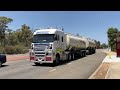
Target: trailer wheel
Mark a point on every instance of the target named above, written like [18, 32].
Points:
[75, 55]
[0, 63]
[72, 56]
[85, 54]
[69, 56]
[82, 55]
[94, 51]
[90, 52]
[37, 64]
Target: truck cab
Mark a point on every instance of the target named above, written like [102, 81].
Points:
[47, 45]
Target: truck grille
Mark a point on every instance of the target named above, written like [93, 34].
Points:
[39, 55]
[39, 52]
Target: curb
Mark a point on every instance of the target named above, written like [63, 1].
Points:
[108, 71]
[91, 77]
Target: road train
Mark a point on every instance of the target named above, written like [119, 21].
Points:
[53, 45]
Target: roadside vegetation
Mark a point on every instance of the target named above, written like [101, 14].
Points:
[101, 46]
[14, 41]
[112, 34]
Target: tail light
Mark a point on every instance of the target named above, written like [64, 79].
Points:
[48, 58]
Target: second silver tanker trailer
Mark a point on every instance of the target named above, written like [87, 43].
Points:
[53, 45]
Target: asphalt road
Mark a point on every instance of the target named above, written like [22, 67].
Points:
[77, 69]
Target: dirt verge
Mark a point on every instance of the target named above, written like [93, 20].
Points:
[101, 73]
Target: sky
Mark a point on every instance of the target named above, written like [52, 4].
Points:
[91, 24]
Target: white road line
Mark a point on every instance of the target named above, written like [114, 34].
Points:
[52, 70]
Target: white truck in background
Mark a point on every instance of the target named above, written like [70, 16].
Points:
[52, 45]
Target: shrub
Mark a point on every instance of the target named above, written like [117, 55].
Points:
[2, 50]
[17, 49]
[21, 49]
[113, 48]
[9, 50]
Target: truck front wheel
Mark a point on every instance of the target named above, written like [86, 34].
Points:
[56, 61]
[84, 54]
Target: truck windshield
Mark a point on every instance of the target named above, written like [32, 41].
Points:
[43, 38]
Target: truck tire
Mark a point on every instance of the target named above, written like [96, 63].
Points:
[69, 57]
[82, 54]
[76, 55]
[94, 50]
[0, 63]
[79, 55]
[56, 61]
[85, 54]
[90, 52]
[37, 64]
[73, 56]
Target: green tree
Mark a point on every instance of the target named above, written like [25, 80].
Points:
[26, 34]
[19, 35]
[104, 45]
[4, 21]
[112, 34]
[13, 40]
[97, 44]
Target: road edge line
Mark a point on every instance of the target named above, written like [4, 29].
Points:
[94, 73]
